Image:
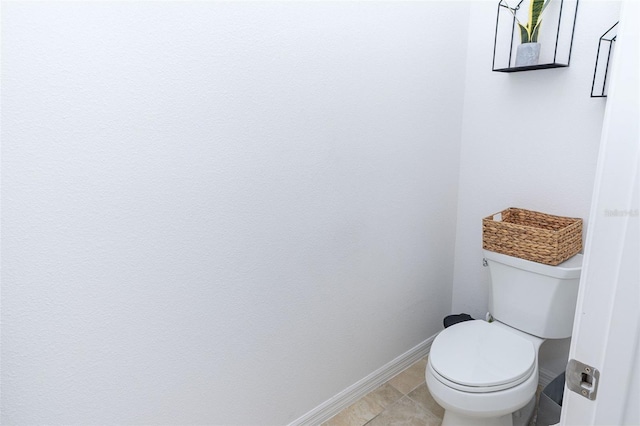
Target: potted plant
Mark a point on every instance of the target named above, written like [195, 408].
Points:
[529, 50]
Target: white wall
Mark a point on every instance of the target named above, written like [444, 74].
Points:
[229, 212]
[529, 140]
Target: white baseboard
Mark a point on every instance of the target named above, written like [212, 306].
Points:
[342, 400]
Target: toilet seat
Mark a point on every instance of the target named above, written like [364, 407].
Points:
[476, 356]
[477, 389]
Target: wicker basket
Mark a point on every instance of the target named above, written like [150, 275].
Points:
[534, 236]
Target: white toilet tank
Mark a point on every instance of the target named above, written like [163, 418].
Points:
[532, 297]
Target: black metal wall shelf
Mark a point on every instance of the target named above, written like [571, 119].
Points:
[555, 37]
[603, 57]
[531, 67]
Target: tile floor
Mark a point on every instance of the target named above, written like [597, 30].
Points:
[403, 400]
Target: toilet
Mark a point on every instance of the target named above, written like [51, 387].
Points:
[486, 372]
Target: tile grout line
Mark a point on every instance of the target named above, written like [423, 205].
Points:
[418, 405]
[333, 406]
[428, 411]
[388, 408]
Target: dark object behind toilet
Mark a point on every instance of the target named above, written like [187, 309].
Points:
[455, 319]
[550, 404]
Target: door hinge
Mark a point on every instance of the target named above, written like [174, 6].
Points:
[583, 379]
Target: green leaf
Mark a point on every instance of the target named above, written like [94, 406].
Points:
[536, 8]
[534, 36]
[524, 34]
[529, 31]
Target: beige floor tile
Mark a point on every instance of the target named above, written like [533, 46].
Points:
[385, 395]
[405, 412]
[410, 378]
[422, 396]
[357, 414]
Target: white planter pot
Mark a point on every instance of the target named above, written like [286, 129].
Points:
[527, 54]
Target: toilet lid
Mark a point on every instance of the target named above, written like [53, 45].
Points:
[477, 354]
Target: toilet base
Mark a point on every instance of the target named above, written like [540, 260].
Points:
[451, 418]
[522, 417]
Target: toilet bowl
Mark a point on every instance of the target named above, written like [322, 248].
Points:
[486, 373]
[481, 372]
